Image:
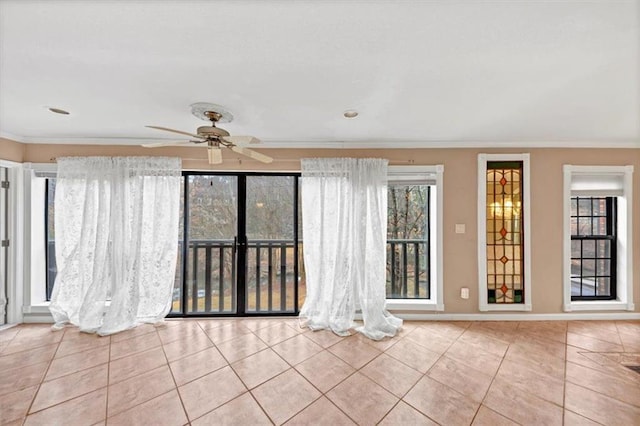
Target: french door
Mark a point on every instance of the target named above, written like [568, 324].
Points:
[4, 241]
[239, 245]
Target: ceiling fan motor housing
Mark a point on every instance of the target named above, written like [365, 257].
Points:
[212, 132]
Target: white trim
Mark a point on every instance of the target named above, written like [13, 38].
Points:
[597, 316]
[624, 289]
[482, 233]
[348, 144]
[436, 217]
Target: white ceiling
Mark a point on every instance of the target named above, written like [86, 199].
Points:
[421, 73]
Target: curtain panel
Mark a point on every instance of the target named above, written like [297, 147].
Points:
[344, 221]
[116, 236]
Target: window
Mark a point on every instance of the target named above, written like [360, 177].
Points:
[593, 248]
[504, 268]
[408, 256]
[414, 238]
[50, 235]
[598, 272]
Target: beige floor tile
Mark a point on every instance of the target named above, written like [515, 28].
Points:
[80, 342]
[354, 352]
[86, 409]
[531, 344]
[430, 340]
[134, 345]
[593, 344]
[133, 332]
[226, 332]
[259, 367]
[285, 395]
[625, 391]
[543, 362]
[324, 338]
[70, 386]
[321, 412]
[600, 362]
[164, 410]
[598, 407]
[325, 370]
[405, 415]
[77, 362]
[187, 331]
[391, 374]
[466, 380]
[297, 349]
[19, 378]
[255, 324]
[474, 357]
[573, 419]
[197, 365]
[452, 330]
[487, 417]
[501, 330]
[14, 405]
[132, 365]
[243, 410]
[601, 330]
[241, 347]
[23, 359]
[363, 400]
[184, 347]
[532, 381]
[32, 343]
[207, 393]
[414, 355]
[7, 334]
[520, 406]
[485, 343]
[276, 333]
[139, 389]
[441, 403]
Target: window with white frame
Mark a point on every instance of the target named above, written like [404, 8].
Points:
[414, 238]
[504, 267]
[597, 238]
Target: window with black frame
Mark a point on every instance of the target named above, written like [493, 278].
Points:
[593, 248]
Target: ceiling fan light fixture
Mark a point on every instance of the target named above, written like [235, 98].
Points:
[215, 154]
[350, 113]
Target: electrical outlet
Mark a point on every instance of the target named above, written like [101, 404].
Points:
[464, 292]
[460, 228]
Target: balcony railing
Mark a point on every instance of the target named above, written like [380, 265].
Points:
[270, 282]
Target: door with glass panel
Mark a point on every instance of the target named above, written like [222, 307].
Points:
[4, 241]
[238, 245]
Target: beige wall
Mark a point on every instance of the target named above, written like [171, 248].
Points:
[12, 151]
[460, 203]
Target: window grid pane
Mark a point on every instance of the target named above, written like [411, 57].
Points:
[593, 248]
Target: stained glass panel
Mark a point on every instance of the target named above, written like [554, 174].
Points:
[504, 232]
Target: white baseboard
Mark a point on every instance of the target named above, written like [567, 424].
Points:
[521, 316]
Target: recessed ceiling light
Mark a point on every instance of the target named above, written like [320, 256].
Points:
[350, 113]
[59, 111]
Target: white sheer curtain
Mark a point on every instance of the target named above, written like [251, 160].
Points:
[344, 222]
[116, 236]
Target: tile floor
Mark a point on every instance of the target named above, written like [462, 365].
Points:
[269, 371]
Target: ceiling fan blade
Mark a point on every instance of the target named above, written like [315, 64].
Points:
[159, 144]
[252, 154]
[241, 140]
[215, 155]
[176, 131]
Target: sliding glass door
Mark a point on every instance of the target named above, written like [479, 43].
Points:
[239, 253]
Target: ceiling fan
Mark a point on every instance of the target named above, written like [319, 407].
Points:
[214, 137]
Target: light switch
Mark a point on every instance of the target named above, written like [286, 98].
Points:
[460, 228]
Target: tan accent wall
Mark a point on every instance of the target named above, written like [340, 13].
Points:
[11, 151]
[460, 203]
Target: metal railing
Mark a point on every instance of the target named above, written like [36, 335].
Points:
[270, 281]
